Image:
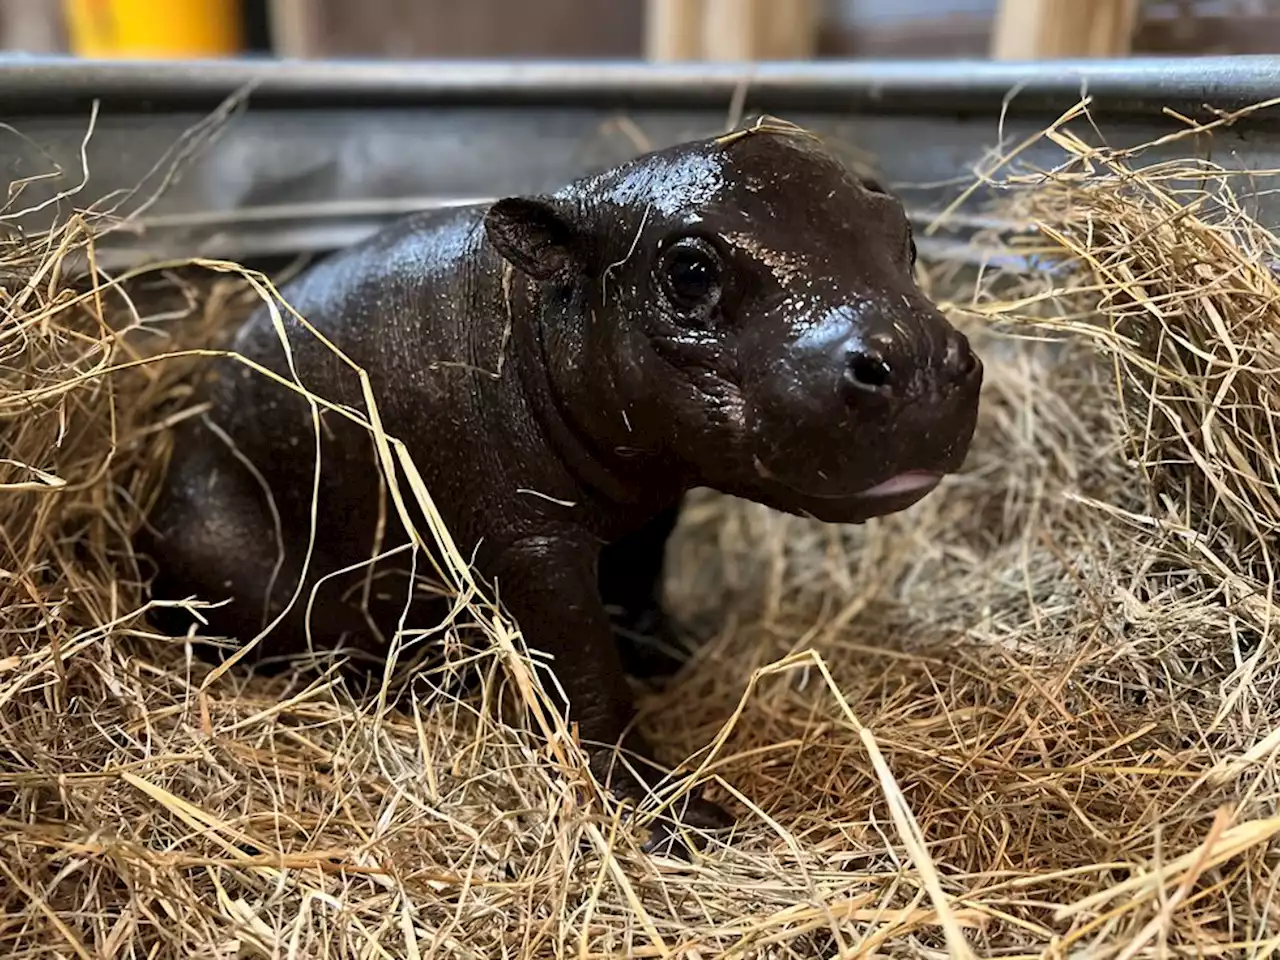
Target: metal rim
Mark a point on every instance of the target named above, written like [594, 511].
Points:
[40, 84]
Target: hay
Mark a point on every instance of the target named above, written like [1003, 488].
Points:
[1033, 716]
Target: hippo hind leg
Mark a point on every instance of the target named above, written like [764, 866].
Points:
[631, 574]
[212, 536]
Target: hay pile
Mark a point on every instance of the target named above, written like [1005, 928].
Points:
[1036, 715]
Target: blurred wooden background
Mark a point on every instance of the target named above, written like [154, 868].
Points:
[524, 29]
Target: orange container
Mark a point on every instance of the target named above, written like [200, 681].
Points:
[154, 29]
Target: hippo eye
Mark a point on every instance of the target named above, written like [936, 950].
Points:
[691, 275]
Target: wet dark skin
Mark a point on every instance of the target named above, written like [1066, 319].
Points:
[738, 313]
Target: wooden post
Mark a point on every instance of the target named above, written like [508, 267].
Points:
[673, 29]
[292, 27]
[1051, 29]
[790, 30]
[733, 30]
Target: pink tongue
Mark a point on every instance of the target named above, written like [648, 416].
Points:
[909, 482]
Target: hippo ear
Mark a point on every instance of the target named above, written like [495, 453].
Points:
[533, 235]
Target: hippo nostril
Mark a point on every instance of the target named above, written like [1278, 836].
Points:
[960, 358]
[868, 371]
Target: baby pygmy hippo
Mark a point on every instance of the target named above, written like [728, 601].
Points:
[737, 313]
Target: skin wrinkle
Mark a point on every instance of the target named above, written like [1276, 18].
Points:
[713, 378]
[600, 484]
[785, 269]
[751, 279]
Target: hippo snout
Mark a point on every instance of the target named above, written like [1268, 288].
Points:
[864, 410]
[931, 366]
[873, 358]
[869, 371]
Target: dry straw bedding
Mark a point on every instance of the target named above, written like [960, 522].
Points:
[1035, 715]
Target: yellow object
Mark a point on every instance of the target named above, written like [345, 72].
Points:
[154, 29]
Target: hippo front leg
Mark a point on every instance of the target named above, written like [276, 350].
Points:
[550, 586]
[631, 576]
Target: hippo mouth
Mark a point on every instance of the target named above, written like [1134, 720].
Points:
[909, 483]
[900, 491]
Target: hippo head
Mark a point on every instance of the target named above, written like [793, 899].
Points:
[741, 313]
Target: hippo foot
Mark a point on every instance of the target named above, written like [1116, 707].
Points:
[678, 825]
[670, 837]
[652, 648]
